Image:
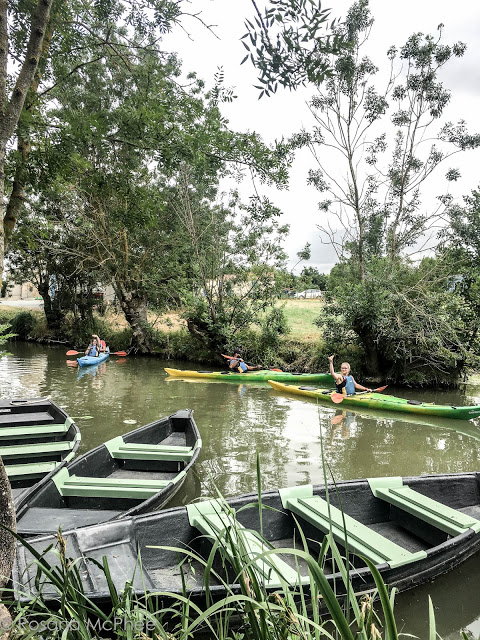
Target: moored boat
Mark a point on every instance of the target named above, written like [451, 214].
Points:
[381, 402]
[36, 438]
[413, 529]
[253, 376]
[130, 474]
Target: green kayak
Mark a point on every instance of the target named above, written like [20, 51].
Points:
[382, 402]
[253, 376]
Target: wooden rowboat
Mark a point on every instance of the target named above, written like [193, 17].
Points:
[413, 529]
[130, 474]
[36, 438]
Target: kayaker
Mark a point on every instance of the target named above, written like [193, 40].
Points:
[93, 349]
[102, 345]
[236, 362]
[344, 381]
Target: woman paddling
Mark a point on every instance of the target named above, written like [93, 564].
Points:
[344, 381]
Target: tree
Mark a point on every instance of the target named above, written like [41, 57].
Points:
[375, 216]
[460, 248]
[235, 250]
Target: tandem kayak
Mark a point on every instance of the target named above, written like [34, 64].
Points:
[254, 376]
[382, 402]
[87, 361]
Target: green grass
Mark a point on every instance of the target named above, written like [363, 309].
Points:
[301, 315]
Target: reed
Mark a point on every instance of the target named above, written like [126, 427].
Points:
[309, 609]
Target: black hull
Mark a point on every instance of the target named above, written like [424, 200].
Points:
[96, 479]
[123, 540]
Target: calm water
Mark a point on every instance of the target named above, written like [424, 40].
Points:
[238, 420]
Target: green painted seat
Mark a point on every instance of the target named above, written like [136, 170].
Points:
[211, 520]
[441, 516]
[89, 487]
[361, 539]
[32, 470]
[135, 451]
[42, 448]
[32, 431]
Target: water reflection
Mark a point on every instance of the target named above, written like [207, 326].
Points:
[238, 420]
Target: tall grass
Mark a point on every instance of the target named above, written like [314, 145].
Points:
[307, 609]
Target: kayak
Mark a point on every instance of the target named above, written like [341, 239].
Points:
[382, 402]
[254, 376]
[87, 361]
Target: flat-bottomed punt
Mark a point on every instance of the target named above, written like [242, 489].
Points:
[130, 474]
[36, 438]
[413, 529]
[381, 402]
[253, 376]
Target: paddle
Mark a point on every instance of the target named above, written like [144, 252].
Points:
[232, 358]
[114, 353]
[339, 397]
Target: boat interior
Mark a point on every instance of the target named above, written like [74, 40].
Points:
[394, 522]
[126, 474]
[35, 437]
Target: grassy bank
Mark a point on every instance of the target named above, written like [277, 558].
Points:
[298, 350]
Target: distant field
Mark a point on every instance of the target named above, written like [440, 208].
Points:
[301, 315]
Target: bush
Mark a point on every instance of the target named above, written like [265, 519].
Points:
[22, 324]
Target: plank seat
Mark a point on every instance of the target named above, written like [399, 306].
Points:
[361, 539]
[213, 521]
[32, 431]
[26, 419]
[31, 470]
[136, 451]
[42, 448]
[90, 487]
[441, 516]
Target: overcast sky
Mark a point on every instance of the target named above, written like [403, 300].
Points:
[286, 112]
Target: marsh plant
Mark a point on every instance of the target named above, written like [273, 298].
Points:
[309, 609]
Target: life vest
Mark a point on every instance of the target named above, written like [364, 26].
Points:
[346, 386]
[92, 351]
[103, 345]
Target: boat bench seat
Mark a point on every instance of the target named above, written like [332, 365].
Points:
[136, 451]
[33, 431]
[89, 487]
[42, 448]
[26, 419]
[211, 519]
[441, 516]
[361, 539]
[32, 470]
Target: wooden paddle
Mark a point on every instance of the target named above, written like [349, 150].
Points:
[114, 353]
[339, 397]
[232, 358]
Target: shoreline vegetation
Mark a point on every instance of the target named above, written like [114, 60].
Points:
[298, 347]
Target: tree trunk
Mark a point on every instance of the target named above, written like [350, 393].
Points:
[53, 313]
[7, 519]
[134, 307]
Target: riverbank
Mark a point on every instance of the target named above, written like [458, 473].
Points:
[299, 350]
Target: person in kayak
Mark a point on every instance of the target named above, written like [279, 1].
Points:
[344, 381]
[93, 348]
[102, 345]
[237, 363]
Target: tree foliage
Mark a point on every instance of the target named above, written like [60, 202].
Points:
[382, 149]
[290, 44]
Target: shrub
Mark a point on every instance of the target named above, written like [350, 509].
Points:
[22, 324]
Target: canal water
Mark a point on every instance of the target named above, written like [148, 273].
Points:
[237, 421]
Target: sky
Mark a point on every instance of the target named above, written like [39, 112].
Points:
[286, 112]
